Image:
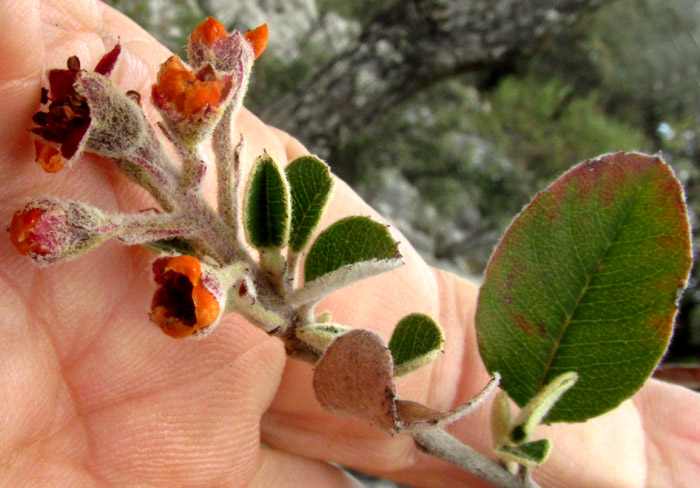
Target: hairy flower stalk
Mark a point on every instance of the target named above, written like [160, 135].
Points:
[205, 269]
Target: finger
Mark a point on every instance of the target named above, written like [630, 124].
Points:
[282, 469]
[670, 420]
[20, 63]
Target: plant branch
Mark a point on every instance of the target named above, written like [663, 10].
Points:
[442, 445]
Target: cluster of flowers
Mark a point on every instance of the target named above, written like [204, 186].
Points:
[86, 113]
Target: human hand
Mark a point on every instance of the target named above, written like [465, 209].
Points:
[93, 394]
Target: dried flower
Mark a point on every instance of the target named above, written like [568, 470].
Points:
[67, 118]
[186, 302]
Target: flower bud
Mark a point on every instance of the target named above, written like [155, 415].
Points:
[49, 231]
[227, 53]
[190, 298]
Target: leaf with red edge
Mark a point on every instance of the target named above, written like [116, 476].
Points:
[587, 279]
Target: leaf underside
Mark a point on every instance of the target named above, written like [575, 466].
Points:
[355, 377]
[349, 241]
[587, 279]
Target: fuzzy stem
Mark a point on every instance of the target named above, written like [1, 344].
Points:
[228, 169]
[442, 445]
[290, 279]
[194, 168]
[143, 229]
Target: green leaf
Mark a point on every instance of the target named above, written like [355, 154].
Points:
[350, 241]
[175, 245]
[311, 186]
[531, 416]
[530, 454]
[320, 335]
[267, 205]
[416, 341]
[587, 279]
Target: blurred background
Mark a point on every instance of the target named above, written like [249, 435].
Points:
[448, 116]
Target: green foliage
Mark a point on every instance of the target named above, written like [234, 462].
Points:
[267, 205]
[311, 186]
[530, 454]
[546, 126]
[350, 241]
[587, 280]
[361, 10]
[416, 341]
[175, 245]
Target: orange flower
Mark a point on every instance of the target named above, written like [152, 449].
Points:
[182, 305]
[48, 157]
[188, 93]
[258, 39]
[208, 32]
[22, 232]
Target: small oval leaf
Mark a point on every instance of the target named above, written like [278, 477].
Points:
[311, 185]
[416, 341]
[354, 377]
[587, 279]
[267, 211]
[349, 241]
[174, 245]
[530, 454]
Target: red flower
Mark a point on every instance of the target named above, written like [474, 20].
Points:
[67, 119]
[182, 305]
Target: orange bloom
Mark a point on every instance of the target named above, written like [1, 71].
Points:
[48, 157]
[258, 38]
[22, 232]
[209, 31]
[188, 93]
[182, 305]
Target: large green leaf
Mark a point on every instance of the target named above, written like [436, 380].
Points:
[350, 241]
[267, 205]
[587, 279]
[311, 186]
[416, 341]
